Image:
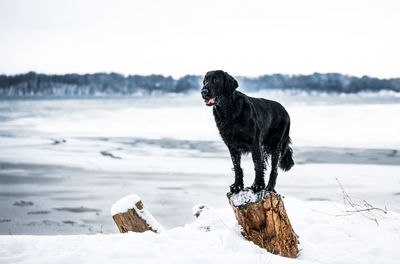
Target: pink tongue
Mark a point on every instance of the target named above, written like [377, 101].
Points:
[212, 100]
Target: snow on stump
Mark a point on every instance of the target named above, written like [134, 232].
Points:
[130, 215]
[264, 221]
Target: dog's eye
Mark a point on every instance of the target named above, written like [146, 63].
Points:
[215, 80]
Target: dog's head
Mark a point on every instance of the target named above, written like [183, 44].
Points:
[217, 84]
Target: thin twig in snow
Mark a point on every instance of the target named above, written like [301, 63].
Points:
[365, 208]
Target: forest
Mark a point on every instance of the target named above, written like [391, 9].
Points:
[33, 83]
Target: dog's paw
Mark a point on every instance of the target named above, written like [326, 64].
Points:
[270, 189]
[235, 188]
[256, 187]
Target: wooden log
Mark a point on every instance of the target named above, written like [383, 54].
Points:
[130, 215]
[265, 222]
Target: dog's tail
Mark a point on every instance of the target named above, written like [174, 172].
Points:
[286, 162]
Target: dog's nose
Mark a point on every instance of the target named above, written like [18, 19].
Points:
[204, 92]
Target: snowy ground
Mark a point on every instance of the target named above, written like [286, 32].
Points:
[325, 237]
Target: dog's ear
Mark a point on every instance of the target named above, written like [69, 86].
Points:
[230, 83]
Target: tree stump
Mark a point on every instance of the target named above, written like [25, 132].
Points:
[130, 215]
[265, 222]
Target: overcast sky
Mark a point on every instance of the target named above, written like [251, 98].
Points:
[191, 37]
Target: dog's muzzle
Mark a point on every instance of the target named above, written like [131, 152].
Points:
[207, 101]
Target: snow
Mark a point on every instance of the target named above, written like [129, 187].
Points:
[199, 208]
[325, 237]
[129, 202]
[247, 196]
[124, 204]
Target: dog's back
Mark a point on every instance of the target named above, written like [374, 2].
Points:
[268, 113]
[274, 124]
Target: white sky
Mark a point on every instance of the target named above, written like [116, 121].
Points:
[191, 37]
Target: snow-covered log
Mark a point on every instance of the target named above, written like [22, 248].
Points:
[264, 221]
[130, 215]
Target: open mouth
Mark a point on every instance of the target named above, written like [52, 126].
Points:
[210, 101]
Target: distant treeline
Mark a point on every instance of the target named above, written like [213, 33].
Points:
[112, 83]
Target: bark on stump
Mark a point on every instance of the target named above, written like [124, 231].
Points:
[133, 220]
[265, 222]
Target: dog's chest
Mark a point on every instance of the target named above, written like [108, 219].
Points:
[225, 130]
[232, 134]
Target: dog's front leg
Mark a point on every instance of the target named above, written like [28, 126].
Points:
[258, 161]
[238, 184]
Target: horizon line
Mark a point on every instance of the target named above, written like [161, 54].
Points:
[192, 74]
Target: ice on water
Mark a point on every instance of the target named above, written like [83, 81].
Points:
[170, 153]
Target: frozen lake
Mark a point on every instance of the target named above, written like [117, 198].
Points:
[64, 161]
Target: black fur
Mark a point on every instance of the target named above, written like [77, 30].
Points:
[249, 125]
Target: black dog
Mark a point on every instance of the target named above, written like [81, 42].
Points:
[249, 124]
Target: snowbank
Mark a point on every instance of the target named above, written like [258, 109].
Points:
[215, 237]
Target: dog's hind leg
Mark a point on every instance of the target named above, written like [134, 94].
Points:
[238, 184]
[259, 165]
[274, 170]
